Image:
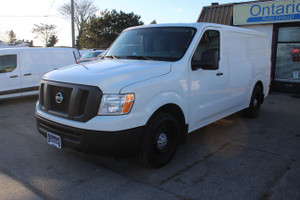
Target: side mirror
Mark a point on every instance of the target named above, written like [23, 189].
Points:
[209, 61]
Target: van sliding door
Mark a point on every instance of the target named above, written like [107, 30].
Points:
[10, 83]
[34, 66]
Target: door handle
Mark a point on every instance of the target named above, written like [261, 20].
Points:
[29, 74]
[219, 74]
[14, 76]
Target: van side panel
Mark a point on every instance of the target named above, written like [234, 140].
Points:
[62, 59]
[260, 60]
[34, 64]
[236, 48]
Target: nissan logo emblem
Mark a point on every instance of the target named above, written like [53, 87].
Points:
[59, 97]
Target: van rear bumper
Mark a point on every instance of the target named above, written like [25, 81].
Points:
[117, 143]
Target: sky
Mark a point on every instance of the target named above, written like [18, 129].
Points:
[20, 16]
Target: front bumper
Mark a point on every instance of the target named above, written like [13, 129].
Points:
[117, 143]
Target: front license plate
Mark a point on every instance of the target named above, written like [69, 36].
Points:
[54, 140]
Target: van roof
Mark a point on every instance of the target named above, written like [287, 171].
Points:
[201, 25]
[52, 49]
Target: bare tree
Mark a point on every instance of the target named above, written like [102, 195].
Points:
[83, 9]
[44, 31]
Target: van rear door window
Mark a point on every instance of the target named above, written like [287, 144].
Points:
[8, 63]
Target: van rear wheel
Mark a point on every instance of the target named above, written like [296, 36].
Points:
[160, 141]
[255, 103]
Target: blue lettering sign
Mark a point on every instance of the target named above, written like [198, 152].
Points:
[274, 12]
[256, 9]
[274, 18]
[280, 9]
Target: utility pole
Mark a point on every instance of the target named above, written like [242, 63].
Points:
[72, 23]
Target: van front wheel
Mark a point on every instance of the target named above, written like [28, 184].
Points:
[255, 103]
[160, 141]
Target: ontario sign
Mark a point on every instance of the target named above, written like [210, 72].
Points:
[266, 12]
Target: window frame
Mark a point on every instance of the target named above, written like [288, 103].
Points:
[199, 42]
[11, 69]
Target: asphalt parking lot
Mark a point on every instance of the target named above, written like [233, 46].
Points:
[232, 159]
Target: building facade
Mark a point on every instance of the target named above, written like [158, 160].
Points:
[280, 20]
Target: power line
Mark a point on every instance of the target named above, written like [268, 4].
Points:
[33, 15]
[51, 6]
[28, 15]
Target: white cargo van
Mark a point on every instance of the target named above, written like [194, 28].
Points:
[155, 85]
[21, 69]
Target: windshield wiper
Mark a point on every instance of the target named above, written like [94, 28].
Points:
[139, 57]
[113, 57]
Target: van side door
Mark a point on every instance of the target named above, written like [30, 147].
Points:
[10, 83]
[209, 96]
[34, 66]
[62, 59]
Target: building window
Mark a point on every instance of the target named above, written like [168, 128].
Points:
[288, 55]
[296, 55]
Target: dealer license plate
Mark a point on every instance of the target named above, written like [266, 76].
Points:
[54, 140]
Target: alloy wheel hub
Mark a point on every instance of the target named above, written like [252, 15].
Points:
[162, 141]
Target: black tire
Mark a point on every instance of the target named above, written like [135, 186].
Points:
[255, 103]
[160, 141]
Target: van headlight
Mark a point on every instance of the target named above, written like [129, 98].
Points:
[116, 104]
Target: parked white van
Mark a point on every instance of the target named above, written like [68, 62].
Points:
[21, 69]
[156, 84]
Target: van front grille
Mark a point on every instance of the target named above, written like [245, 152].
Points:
[71, 101]
[60, 98]
[82, 104]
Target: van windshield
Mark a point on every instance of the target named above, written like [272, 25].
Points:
[163, 43]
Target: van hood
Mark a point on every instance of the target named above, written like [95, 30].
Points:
[110, 75]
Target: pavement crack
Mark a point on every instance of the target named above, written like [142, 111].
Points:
[194, 163]
[268, 195]
[264, 151]
[174, 194]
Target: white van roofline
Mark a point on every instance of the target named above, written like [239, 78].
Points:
[200, 25]
[35, 48]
